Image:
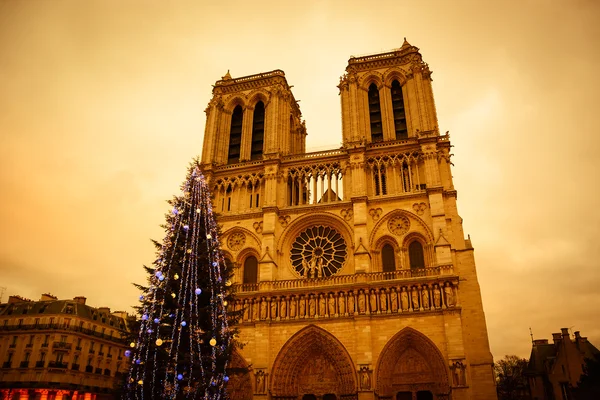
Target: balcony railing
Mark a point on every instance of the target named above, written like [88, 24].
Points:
[337, 280]
[12, 345]
[57, 364]
[45, 344]
[107, 372]
[40, 364]
[98, 371]
[75, 367]
[6, 364]
[29, 345]
[24, 364]
[62, 346]
[89, 368]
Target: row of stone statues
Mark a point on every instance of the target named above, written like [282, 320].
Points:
[363, 301]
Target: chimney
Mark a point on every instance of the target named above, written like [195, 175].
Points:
[539, 342]
[577, 336]
[565, 332]
[105, 310]
[556, 337]
[80, 299]
[48, 297]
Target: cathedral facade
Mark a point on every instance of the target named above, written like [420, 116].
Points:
[352, 269]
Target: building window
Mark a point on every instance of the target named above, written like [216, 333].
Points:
[399, 112]
[387, 258]
[380, 180]
[415, 253]
[375, 114]
[251, 270]
[258, 131]
[235, 135]
[20, 322]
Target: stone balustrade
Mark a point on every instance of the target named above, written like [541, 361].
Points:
[382, 298]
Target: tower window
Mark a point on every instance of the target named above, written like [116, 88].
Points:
[375, 114]
[251, 270]
[415, 253]
[258, 131]
[380, 181]
[235, 135]
[387, 258]
[399, 113]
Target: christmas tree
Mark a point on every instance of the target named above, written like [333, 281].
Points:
[185, 337]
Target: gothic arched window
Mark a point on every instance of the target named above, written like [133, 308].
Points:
[235, 135]
[399, 113]
[375, 114]
[415, 254]
[387, 258]
[251, 270]
[258, 131]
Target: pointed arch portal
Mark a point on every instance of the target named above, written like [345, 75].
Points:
[410, 362]
[313, 363]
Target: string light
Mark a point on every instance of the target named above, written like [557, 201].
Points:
[180, 276]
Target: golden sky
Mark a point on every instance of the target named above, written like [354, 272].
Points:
[101, 109]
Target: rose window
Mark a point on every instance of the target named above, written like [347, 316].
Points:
[236, 241]
[318, 252]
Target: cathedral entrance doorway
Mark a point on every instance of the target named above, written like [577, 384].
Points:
[313, 365]
[411, 368]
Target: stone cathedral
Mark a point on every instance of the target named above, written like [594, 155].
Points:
[352, 268]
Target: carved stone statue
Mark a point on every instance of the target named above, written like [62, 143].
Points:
[302, 307]
[361, 302]
[331, 305]
[449, 293]
[263, 309]
[373, 301]
[404, 299]
[293, 307]
[415, 298]
[365, 378]
[255, 308]
[383, 300]
[246, 315]
[394, 300]
[342, 304]
[322, 305]
[425, 296]
[274, 308]
[437, 298]
[260, 382]
[283, 308]
[351, 303]
[458, 373]
[312, 307]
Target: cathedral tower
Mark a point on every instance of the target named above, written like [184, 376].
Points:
[353, 272]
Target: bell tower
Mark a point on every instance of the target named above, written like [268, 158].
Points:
[252, 116]
[387, 97]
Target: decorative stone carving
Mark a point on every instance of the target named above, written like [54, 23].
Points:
[425, 297]
[458, 373]
[341, 304]
[274, 308]
[284, 220]
[258, 227]
[293, 307]
[302, 307]
[375, 213]
[437, 297]
[322, 305]
[351, 309]
[449, 293]
[312, 306]
[399, 225]
[404, 299]
[373, 301]
[255, 308]
[383, 301]
[347, 214]
[236, 241]
[331, 305]
[263, 309]
[319, 251]
[394, 300]
[283, 308]
[365, 377]
[361, 302]
[261, 382]
[419, 208]
[415, 298]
